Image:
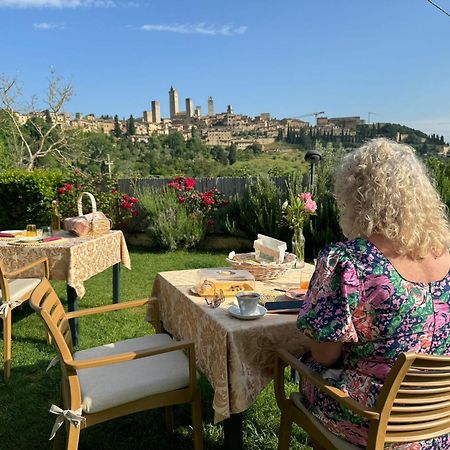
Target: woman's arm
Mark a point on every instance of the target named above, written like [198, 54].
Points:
[326, 353]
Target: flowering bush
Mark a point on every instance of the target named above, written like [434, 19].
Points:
[205, 202]
[121, 209]
[298, 208]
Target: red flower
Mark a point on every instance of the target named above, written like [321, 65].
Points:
[125, 198]
[211, 221]
[135, 212]
[134, 200]
[123, 226]
[61, 190]
[181, 199]
[114, 191]
[189, 184]
[68, 187]
[126, 205]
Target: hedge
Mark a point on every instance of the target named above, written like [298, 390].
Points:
[26, 197]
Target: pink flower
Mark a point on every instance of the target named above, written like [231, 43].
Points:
[310, 206]
[305, 196]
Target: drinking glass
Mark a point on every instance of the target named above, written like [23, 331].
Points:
[304, 279]
[46, 232]
[31, 230]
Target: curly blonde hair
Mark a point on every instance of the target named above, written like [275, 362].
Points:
[383, 188]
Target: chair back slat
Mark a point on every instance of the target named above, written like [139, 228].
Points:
[49, 308]
[415, 400]
[4, 283]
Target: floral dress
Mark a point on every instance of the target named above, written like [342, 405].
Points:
[357, 297]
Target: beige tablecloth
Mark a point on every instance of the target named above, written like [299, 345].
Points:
[74, 259]
[235, 355]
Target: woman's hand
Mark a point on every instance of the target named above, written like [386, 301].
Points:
[326, 353]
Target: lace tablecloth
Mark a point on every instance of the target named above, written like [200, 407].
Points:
[235, 355]
[74, 259]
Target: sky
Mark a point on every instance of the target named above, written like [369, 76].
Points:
[289, 58]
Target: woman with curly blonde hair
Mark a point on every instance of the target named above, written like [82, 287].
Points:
[384, 291]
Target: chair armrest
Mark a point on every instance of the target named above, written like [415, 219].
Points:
[285, 358]
[107, 308]
[43, 261]
[129, 356]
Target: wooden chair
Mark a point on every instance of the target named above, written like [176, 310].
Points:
[114, 380]
[13, 292]
[414, 403]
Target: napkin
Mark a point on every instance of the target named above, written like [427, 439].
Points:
[51, 238]
[8, 235]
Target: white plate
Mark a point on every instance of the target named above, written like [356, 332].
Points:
[12, 231]
[236, 312]
[296, 294]
[29, 239]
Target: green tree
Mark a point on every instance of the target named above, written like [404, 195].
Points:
[131, 126]
[232, 154]
[117, 128]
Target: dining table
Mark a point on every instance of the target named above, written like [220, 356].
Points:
[73, 259]
[236, 356]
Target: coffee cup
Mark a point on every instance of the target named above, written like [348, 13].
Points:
[248, 302]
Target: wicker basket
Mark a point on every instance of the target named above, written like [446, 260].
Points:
[268, 271]
[99, 223]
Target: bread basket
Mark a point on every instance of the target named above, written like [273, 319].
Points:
[261, 270]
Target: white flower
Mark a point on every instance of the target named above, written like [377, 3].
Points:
[284, 205]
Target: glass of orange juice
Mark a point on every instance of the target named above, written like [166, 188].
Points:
[304, 280]
[31, 230]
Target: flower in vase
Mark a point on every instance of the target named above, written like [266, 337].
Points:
[297, 209]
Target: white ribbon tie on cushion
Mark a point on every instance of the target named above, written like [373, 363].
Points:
[6, 306]
[74, 417]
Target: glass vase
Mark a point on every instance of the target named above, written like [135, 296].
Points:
[298, 246]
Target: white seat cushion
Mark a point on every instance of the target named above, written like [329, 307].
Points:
[113, 385]
[20, 287]
[339, 443]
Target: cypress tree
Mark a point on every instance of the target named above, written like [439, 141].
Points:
[117, 130]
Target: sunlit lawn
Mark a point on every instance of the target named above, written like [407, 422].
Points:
[25, 422]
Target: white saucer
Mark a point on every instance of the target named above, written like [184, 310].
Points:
[236, 312]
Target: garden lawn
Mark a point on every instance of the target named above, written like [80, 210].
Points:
[25, 422]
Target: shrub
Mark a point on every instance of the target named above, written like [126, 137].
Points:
[261, 208]
[27, 196]
[171, 223]
[121, 209]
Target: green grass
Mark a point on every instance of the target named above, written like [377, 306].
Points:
[25, 422]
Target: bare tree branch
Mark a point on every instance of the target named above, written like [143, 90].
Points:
[49, 137]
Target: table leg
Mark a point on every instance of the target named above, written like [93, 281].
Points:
[72, 305]
[232, 429]
[116, 283]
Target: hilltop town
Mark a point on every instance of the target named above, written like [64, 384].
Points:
[215, 128]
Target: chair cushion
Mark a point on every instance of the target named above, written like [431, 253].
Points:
[20, 287]
[339, 443]
[113, 385]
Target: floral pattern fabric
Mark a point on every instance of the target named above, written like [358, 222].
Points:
[356, 296]
[73, 259]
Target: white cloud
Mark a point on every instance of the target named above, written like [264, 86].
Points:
[200, 28]
[47, 26]
[58, 4]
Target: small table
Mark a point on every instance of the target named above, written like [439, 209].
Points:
[235, 355]
[73, 260]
